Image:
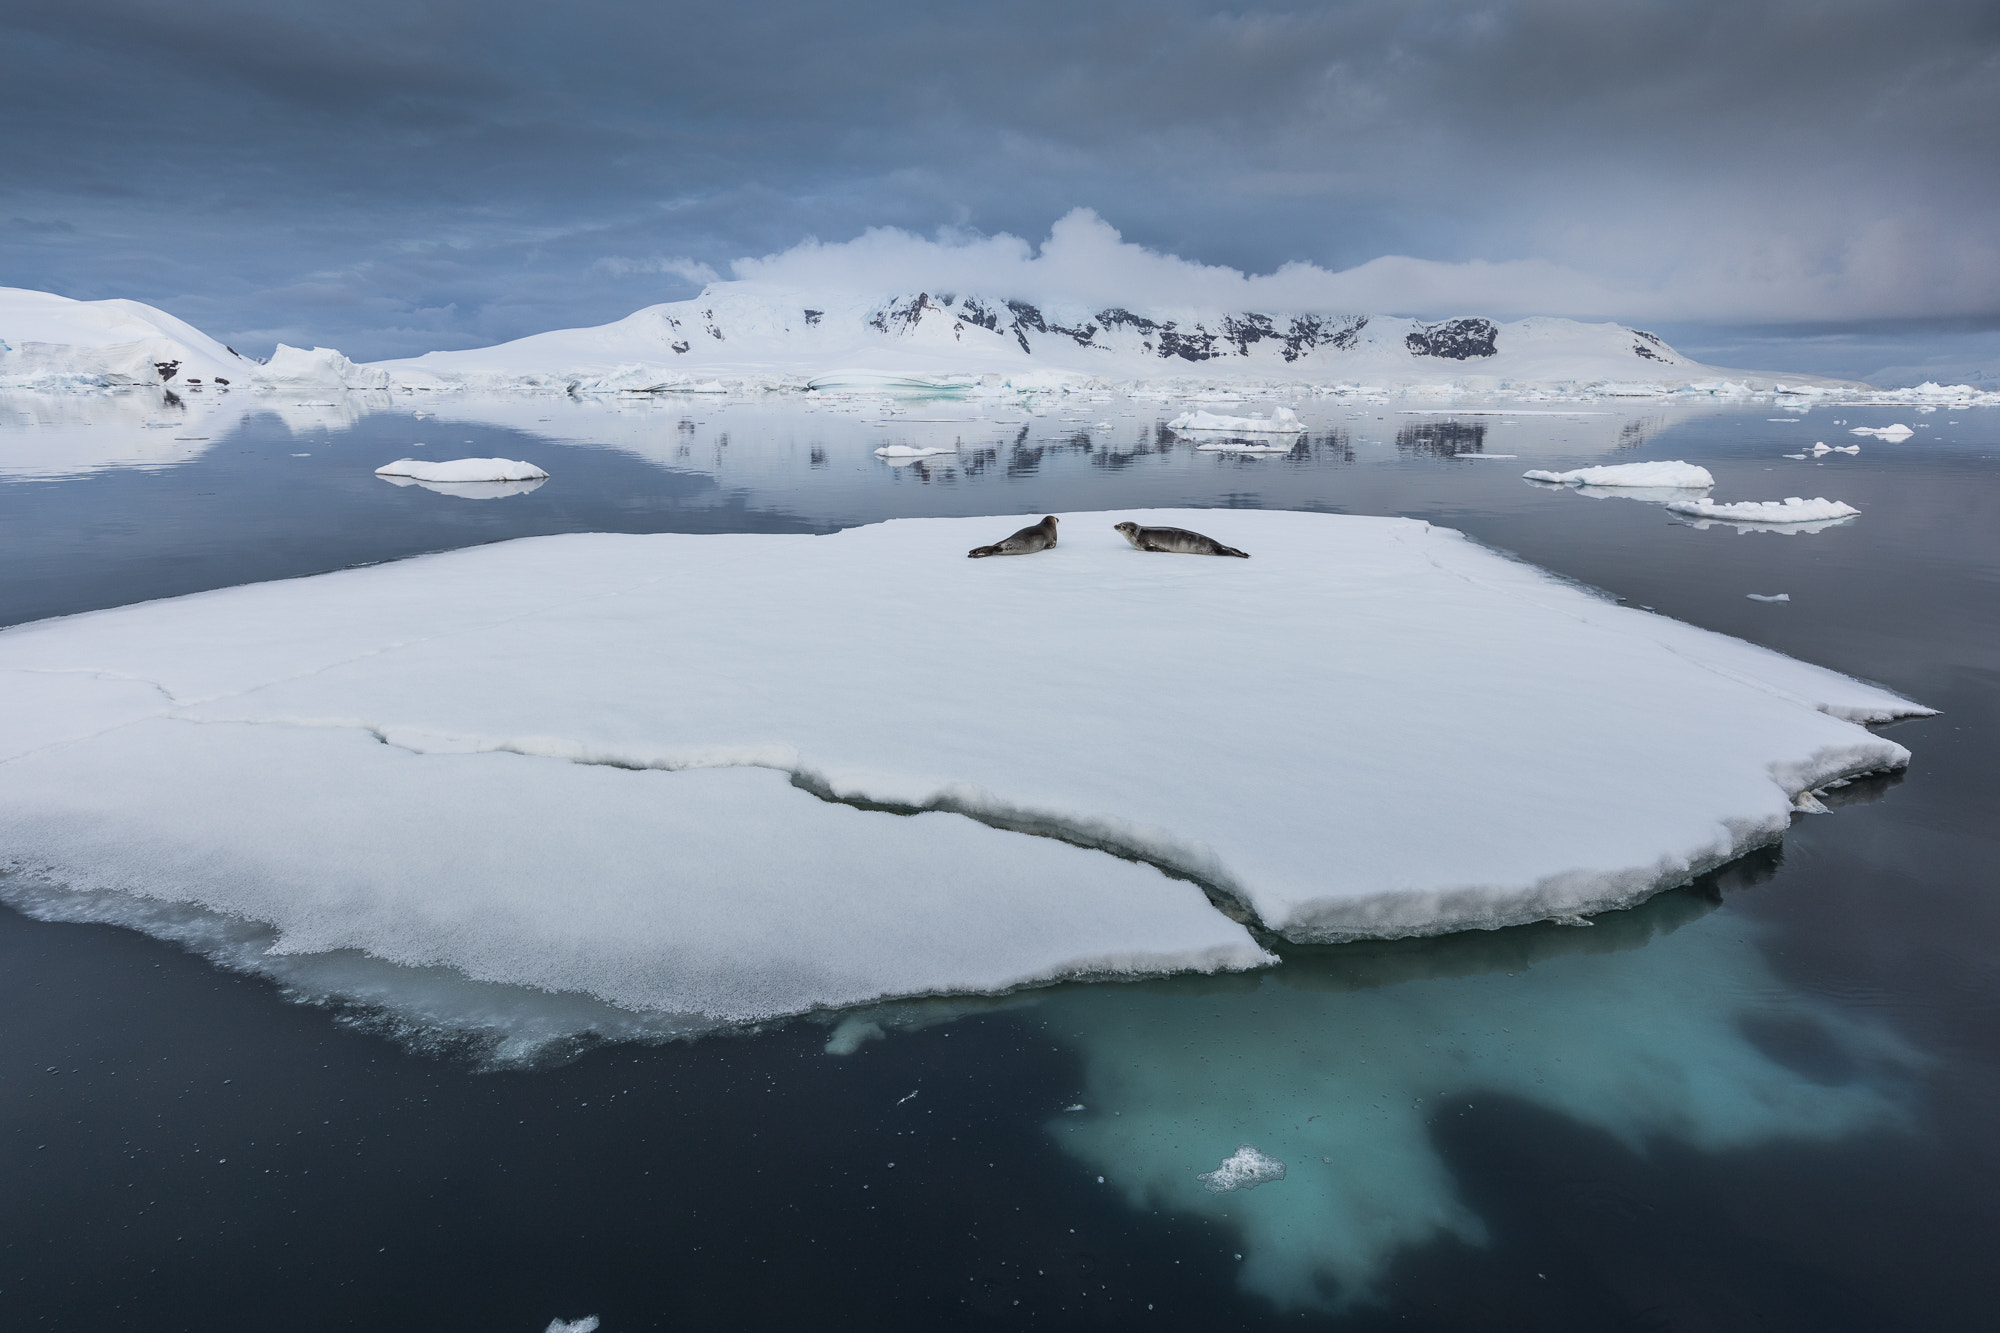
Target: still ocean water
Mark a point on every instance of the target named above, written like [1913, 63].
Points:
[1762, 1102]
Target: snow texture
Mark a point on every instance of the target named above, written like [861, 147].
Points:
[616, 765]
[1789, 510]
[1665, 475]
[462, 470]
[1244, 1169]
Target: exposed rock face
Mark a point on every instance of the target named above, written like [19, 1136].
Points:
[1455, 339]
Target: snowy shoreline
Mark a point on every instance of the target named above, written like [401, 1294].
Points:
[748, 339]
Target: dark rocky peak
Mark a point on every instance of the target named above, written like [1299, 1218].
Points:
[1454, 339]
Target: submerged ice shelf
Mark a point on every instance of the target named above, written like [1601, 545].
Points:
[628, 767]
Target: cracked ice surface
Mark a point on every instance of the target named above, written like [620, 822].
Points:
[1375, 727]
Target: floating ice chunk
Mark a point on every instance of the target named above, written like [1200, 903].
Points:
[587, 1324]
[1769, 597]
[1891, 433]
[326, 755]
[1244, 1169]
[1675, 475]
[1282, 421]
[1821, 448]
[462, 470]
[906, 451]
[1789, 510]
[471, 490]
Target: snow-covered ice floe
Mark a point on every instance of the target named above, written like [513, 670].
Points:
[1891, 433]
[1282, 421]
[1789, 510]
[685, 774]
[1822, 448]
[910, 451]
[1664, 475]
[462, 470]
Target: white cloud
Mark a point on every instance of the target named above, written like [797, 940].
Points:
[1670, 270]
[678, 266]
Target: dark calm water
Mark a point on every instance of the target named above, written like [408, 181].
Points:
[1763, 1102]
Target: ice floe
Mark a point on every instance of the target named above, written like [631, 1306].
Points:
[1282, 421]
[909, 451]
[1769, 596]
[629, 767]
[1821, 448]
[462, 470]
[1673, 475]
[1891, 433]
[1789, 510]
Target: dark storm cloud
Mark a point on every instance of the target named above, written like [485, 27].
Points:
[393, 177]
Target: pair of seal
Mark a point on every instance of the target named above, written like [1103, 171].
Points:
[1025, 542]
[1177, 540]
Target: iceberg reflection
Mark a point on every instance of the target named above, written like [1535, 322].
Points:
[1645, 1027]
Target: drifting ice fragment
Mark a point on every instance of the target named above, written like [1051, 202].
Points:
[1822, 448]
[1244, 1169]
[1896, 432]
[1677, 475]
[678, 730]
[1282, 421]
[905, 451]
[587, 1324]
[462, 469]
[1769, 597]
[1789, 510]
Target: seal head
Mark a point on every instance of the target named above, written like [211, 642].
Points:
[1177, 540]
[1025, 542]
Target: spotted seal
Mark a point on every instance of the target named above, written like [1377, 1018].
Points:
[1025, 542]
[1178, 540]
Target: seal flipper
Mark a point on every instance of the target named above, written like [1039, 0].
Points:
[979, 551]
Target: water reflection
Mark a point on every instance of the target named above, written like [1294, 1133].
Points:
[1661, 1023]
[1441, 439]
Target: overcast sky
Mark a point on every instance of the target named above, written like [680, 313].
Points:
[391, 176]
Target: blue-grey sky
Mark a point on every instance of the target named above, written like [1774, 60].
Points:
[391, 177]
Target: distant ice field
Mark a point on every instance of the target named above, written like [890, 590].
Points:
[731, 777]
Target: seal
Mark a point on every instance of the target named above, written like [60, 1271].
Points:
[1178, 540]
[1025, 542]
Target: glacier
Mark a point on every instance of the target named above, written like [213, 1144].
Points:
[734, 777]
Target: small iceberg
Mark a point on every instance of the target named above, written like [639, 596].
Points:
[1675, 475]
[1282, 421]
[1244, 1169]
[1822, 447]
[1789, 510]
[908, 451]
[1892, 433]
[463, 469]
[1769, 596]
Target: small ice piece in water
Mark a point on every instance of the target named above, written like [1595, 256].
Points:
[1077, 1107]
[1244, 1169]
[906, 451]
[1769, 596]
[1282, 421]
[1896, 432]
[1821, 448]
[463, 469]
[587, 1324]
[1789, 510]
[1675, 474]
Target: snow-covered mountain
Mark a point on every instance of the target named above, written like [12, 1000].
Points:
[741, 331]
[52, 342]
